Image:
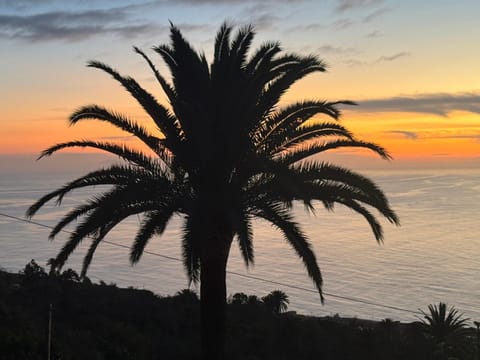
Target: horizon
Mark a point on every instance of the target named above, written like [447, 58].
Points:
[77, 164]
[416, 97]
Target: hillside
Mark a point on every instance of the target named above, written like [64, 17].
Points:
[101, 321]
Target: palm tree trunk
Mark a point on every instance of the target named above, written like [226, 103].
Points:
[213, 294]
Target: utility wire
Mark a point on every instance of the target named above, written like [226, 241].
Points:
[251, 277]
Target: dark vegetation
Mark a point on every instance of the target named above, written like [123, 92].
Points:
[102, 321]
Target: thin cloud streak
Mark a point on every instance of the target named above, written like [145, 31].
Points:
[228, 2]
[308, 27]
[335, 50]
[383, 58]
[375, 14]
[408, 134]
[374, 34]
[344, 5]
[393, 57]
[437, 104]
[342, 24]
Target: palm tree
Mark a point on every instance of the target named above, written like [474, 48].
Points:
[239, 299]
[447, 329]
[277, 301]
[223, 153]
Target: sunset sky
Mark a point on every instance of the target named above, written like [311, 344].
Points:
[413, 69]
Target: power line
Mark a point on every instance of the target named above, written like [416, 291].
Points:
[251, 277]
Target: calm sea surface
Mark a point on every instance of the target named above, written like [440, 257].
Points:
[434, 256]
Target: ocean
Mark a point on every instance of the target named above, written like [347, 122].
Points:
[434, 256]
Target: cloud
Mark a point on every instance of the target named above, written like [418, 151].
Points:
[408, 134]
[341, 24]
[307, 27]
[383, 58]
[460, 136]
[263, 21]
[19, 4]
[229, 2]
[374, 34]
[393, 57]
[437, 104]
[344, 5]
[72, 26]
[335, 49]
[375, 14]
[34, 6]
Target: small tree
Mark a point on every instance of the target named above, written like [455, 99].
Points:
[277, 301]
[239, 298]
[187, 295]
[33, 271]
[70, 275]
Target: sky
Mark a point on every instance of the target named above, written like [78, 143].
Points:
[412, 66]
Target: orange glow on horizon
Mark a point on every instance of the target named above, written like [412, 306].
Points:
[404, 135]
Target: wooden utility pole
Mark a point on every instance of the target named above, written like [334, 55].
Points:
[477, 324]
[49, 353]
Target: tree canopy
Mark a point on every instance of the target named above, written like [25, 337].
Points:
[223, 152]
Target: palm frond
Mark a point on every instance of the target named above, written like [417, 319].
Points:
[88, 227]
[331, 192]
[262, 57]
[87, 260]
[97, 112]
[287, 119]
[285, 142]
[289, 73]
[71, 216]
[159, 114]
[114, 175]
[123, 151]
[314, 171]
[222, 45]
[241, 44]
[281, 219]
[371, 219]
[245, 237]
[306, 151]
[112, 207]
[167, 88]
[154, 222]
[191, 248]
[167, 54]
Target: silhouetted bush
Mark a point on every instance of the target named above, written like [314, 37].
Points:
[100, 321]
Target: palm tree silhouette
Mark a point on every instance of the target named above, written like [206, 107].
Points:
[447, 329]
[277, 301]
[223, 153]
